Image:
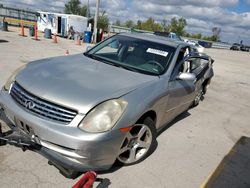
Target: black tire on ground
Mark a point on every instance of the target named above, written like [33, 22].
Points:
[205, 85]
[199, 96]
[151, 124]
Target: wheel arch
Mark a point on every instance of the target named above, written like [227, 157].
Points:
[151, 114]
[205, 83]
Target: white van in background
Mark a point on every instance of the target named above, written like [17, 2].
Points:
[60, 23]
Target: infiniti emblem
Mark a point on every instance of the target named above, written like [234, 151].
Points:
[29, 104]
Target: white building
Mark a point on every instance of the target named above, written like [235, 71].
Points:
[60, 23]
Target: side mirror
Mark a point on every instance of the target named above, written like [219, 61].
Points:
[186, 76]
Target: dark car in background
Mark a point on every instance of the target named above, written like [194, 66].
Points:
[235, 46]
[244, 48]
[240, 47]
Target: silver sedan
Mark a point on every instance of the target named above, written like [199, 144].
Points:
[86, 111]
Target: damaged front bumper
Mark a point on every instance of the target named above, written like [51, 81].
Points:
[14, 137]
[18, 138]
[95, 152]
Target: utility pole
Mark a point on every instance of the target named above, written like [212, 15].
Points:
[88, 10]
[96, 18]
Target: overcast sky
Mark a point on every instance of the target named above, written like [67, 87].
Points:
[232, 16]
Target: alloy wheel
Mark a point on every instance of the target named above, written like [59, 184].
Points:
[136, 144]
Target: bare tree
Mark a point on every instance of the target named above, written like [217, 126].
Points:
[164, 24]
[216, 32]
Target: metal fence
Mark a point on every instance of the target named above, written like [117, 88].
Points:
[120, 29]
[219, 45]
[17, 14]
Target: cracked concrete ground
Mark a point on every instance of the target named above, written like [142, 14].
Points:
[188, 151]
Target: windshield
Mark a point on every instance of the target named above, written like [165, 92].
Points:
[133, 54]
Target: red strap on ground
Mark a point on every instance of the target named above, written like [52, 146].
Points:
[86, 181]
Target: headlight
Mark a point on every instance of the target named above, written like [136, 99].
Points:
[12, 78]
[104, 116]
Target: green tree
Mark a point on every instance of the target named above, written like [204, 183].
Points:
[118, 23]
[164, 25]
[129, 24]
[178, 25]
[210, 38]
[186, 34]
[103, 21]
[84, 11]
[138, 26]
[151, 25]
[196, 36]
[74, 7]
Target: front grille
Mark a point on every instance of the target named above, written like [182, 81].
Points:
[40, 107]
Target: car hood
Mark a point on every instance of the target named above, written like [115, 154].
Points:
[79, 82]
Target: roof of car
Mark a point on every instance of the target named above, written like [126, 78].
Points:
[155, 38]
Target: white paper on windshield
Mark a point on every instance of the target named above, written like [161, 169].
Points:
[157, 52]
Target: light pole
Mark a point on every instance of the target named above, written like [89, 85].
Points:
[96, 18]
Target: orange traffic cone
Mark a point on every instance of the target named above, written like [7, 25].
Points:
[67, 52]
[35, 36]
[22, 30]
[54, 39]
[78, 41]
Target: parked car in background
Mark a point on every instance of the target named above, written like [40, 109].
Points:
[169, 35]
[240, 47]
[244, 48]
[236, 47]
[86, 111]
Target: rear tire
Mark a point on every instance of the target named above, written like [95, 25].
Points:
[205, 86]
[198, 98]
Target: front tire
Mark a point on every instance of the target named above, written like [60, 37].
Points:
[139, 143]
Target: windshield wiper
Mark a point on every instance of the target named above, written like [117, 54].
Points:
[104, 60]
[90, 56]
[127, 68]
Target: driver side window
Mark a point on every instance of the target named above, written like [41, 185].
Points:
[186, 66]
